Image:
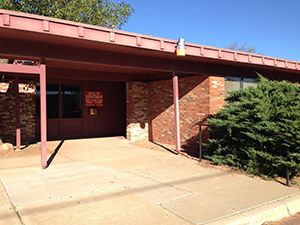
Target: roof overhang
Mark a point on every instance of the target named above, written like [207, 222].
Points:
[50, 30]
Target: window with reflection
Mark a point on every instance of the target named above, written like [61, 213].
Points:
[238, 83]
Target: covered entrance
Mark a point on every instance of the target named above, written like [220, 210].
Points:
[95, 82]
[74, 62]
[70, 114]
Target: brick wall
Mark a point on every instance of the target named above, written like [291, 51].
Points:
[137, 107]
[216, 93]
[161, 109]
[27, 118]
[8, 118]
[199, 97]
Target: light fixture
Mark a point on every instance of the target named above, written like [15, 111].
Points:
[180, 49]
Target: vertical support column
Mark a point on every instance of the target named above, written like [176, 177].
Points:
[17, 112]
[60, 111]
[43, 114]
[176, 112]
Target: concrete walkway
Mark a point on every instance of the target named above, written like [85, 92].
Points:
[110, 181]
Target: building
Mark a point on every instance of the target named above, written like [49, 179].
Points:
[76, 81]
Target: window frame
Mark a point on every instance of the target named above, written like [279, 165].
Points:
[60, 99]
[241, 80]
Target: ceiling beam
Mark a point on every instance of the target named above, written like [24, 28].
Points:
[18, 68]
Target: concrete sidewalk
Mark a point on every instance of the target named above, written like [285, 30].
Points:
[111, 181]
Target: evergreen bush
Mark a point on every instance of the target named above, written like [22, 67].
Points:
[258, 130]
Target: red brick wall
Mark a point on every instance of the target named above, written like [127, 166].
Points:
[27, 118]
[199, 97]
[8, 118]
[216, 93]
[161, 119]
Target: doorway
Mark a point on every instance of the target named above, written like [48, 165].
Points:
[68, 117]
[64, 110]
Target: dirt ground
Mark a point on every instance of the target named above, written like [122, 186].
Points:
[295, 182]
[293, 220]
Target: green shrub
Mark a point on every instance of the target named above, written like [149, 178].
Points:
[258, 130]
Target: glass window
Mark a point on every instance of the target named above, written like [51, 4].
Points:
[232, 84]
[238, 83]
[71, 101]
[249, 82]
[52, 92]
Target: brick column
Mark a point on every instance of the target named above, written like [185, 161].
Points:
[137, 106]
[216, 94]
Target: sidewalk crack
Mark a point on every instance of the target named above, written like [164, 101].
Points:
[12, 205]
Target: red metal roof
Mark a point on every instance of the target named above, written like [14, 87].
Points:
[63, 28]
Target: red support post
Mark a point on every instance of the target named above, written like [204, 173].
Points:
[43, 114]
[17, 113]
[176, 112]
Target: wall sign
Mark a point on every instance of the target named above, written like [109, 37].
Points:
[27, 88]
[4, 87]
[93, 98]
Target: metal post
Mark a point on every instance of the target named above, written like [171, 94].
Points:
[176, 112]
[43, 114]
[200, 142]
[288, 180]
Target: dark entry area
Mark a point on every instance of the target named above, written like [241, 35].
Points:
[69, 115]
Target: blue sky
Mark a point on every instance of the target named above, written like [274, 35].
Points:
[271, 26]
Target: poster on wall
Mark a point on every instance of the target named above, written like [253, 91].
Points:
[27, 88]
[93, 98]
[4, 87]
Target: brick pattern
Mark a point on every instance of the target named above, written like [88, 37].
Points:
[216, 93]
[27, 118]
[137, 107]
[161, 112]
[8, 117]
[200, 96]
[194, 105]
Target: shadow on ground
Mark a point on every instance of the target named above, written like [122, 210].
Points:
[51, 158]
